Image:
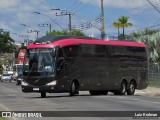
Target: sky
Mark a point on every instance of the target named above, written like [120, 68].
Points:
[14, 13]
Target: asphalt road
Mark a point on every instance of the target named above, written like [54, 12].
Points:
[12, 99]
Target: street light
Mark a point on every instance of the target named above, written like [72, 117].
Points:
[50, 19]
[27, 36]
[31, 31]
[55, 9]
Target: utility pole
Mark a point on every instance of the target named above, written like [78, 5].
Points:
[102, 21]
[36, 31]
[70, 18]
[70, 24]
[46, 25]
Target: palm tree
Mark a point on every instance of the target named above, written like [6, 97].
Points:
[117, 25]
[124, 22]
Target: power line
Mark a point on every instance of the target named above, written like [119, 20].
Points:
[76, 6]
[72, 5]
[69, 9]
[69, 15]
[82, 7]
[154, 5]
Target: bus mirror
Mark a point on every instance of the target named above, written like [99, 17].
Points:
[18, 50]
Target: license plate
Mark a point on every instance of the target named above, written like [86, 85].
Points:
[36, 89]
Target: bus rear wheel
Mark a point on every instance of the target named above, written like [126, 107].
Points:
[131, 89]
[43, 94]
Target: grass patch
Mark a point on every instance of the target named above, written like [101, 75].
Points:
[157, 94]
[1, 118]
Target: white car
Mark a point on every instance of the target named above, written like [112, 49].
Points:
[6, 77]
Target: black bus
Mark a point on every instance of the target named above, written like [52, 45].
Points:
[72, 64]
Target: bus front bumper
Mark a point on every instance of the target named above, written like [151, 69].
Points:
[44, 88]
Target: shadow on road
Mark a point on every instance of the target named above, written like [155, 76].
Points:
[63, 95]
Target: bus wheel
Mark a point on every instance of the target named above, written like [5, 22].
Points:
[73, 89]
[131, 88]
[122, 89]
[104, 92]
[43, 94]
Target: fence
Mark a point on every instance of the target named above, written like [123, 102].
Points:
[154, 75]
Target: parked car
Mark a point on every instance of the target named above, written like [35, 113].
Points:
[6, 77]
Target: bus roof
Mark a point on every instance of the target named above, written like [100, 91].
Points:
[52, 39]
[62, 41]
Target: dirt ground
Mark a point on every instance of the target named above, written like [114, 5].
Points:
[152, 91]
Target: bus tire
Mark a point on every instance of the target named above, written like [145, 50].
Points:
[104, 92]
[43, 94]
[122, 89]
[131, 89]
[72, 89]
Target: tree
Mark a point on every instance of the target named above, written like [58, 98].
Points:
[1, 69]
[6, 43]
[123, 20]
[117, 25]
[143, 33]
[152, 39]
[64, 32]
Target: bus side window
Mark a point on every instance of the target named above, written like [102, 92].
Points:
[101, 51]
[71, 51]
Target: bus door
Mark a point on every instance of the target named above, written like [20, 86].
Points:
[67, 64]
[62, 69]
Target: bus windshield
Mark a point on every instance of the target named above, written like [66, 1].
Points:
[39, 62]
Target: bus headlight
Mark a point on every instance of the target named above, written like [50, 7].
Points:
[52, 83]
[24, 83]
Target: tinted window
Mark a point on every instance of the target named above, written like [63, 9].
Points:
[94, 50]
[124, 51]
[71, 51]
[117, 50]
[100, 51]
[88, 50]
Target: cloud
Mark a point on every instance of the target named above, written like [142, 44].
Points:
[5, 26]
[117, 3]
[9, 5]
[16, 12]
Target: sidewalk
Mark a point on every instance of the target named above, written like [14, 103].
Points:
[151, 91]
